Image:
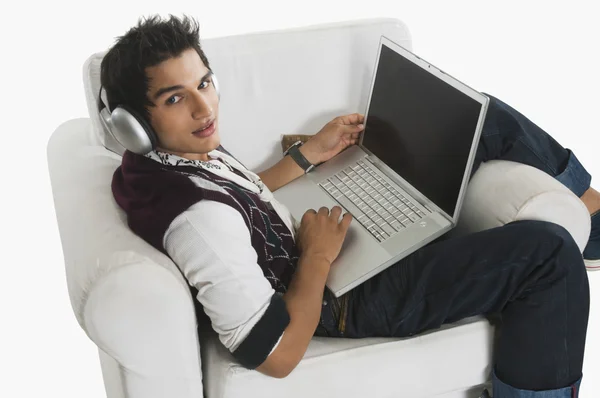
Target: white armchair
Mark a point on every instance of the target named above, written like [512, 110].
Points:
[134, 303]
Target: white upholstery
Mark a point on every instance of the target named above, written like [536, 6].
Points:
[135, 305]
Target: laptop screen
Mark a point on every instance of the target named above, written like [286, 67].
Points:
[421, 127]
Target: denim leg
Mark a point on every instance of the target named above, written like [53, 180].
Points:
[509, 135]
[503, 390]
[529, 273]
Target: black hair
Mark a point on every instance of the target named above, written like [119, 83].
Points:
[152, 41]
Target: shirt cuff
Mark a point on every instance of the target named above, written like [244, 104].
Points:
[259, 343]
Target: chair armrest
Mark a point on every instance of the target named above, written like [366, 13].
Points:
[131, 300]
[502, 191]
[139, 315]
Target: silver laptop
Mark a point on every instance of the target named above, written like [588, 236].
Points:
[404, 182]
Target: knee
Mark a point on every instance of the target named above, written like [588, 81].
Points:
[496, 106]
[555, 235]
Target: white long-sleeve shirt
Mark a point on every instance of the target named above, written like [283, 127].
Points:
[211, 244]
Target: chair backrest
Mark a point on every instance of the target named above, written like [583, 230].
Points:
[289, 81]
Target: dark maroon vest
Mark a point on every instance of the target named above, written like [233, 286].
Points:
[152, 194]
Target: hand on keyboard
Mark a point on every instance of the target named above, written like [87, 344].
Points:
[322, 233]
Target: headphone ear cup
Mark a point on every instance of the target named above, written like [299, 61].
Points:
[132, 130]
[215, 83]
[145, 125]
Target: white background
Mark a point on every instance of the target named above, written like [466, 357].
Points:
[538, 56]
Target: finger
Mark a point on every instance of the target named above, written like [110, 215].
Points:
[352, 128]
[353, 118]
[307, 214]
[335, 212]
[324, 210]
[346, 220]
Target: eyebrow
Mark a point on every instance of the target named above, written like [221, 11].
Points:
[165, 90]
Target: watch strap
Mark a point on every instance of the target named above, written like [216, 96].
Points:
[294, 152]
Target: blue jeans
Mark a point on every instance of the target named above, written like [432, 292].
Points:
[508, 135]
[528, 276]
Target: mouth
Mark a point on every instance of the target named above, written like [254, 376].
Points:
[205, 131]
[204, 127]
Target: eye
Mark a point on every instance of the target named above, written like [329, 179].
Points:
[169, 100]
[206, 81]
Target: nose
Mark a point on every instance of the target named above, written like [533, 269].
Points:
[201, 105]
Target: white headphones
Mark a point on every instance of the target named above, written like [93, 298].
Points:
[129, 128]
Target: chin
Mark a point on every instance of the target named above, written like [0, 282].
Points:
[208, 144]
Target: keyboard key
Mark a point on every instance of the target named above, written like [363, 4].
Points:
[414, 217]
[397, 225]
[402, 218]
[348, 205]
[388, 229]
[336, 181]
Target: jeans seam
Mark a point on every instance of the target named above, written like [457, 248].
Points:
[574, 176]
[490, 135]
[566, 323]
[544, 161]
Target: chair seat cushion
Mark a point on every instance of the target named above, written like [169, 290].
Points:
[419, 366]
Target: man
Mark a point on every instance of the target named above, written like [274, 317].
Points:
[262, 281]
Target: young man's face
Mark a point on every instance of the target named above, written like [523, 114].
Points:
[183, 110]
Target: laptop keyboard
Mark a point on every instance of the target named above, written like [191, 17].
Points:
[374, 203]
